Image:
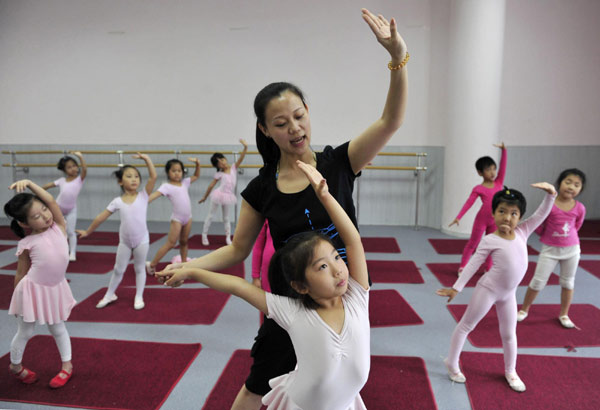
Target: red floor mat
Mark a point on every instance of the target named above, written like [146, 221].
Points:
[388, 308]
[541, 328]
[590, 246]
[7, 283]
[394, 272]
[129, 275]
[456, 246]
[592, 267]
[87, 262]
[104, 238]
[590, 229]
[108, 374]
[381, 245]
[6, 247]
[390, 378]
[163, 306]
[552, 382]
[6, 234]
[446, 274]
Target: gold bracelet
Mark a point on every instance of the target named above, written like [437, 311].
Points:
[401, 65]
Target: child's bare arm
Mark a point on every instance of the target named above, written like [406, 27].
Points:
[45, 196]
[196, 171]
[102, 216]
[357, 263]
[23, 264]
[243, 154]
[151, 171]
[208, 190]
[49, 185]
[82, 166]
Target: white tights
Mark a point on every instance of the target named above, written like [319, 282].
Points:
[481, 302]
[211, 212]
[139, 265]
[71, 219]
[25, 332]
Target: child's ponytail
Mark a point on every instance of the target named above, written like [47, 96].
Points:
[17, 209]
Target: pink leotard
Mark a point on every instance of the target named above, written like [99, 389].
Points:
[43, 295]
[180, 200]
[262, 252]
[133, 230]
[560, 228]
[332, 368]
[67, 197]
[224, 194]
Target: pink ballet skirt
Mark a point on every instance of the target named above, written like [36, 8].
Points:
[43, 295]
[224, 194]
[223, 198]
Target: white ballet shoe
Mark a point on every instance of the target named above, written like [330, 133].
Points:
[138, 303]
[72, 257]
[521, 315]
[149, 269]
[105, 301]
[457, 377]
[228, 239]
[566, 322]
[515, 382]
[205, 239]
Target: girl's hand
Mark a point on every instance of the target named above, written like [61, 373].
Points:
[387, 35]
[194, 160]
[501, 145]
[139, 155]
[549, 188]
[202, 200]
[82, 233]
[20, 186]
[257, 282]
[173, 277]
[449, 292]
[76, 153]
[243, 142]
[454, 222]
[314, 177]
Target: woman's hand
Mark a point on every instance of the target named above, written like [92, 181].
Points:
[549, 188]
[447, 292]
[387, 35]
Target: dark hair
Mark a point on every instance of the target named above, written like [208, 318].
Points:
[62, 163]
[267, 148]
[18, 209]
[571, 171]
[119, 173]
[482, 163]
[511, 197]
[214, 159]
[172, 162]
[289, 264]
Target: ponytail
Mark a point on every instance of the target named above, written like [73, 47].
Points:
[17, 229]
[17, 209]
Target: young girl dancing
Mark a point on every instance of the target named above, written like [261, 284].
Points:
[324, 311]
[262, 252]
[69, 186]
[508, 247]
[133, 231]
[484, 222]
[177, 190]
[560, 243]
[41, 292]
[224, 195]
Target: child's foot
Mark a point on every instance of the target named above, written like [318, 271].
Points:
[61, 379]
[566, 322]
[72, 257]
[521, 315]
[138, 303]
[515, 382]
[456, 377]
[150, 269]
[228, 239]
[205, 239]
[105, 301]
[25, 375]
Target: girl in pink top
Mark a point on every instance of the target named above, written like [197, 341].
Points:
[508, 247]
[69, 186]
[560, 243]
[224, 195]
[262, 252]
[484, 222]
[133, 231]
[41, 292]
[325, 311]
[177, 190]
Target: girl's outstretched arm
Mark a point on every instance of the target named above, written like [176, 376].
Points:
[49, 185]
[196, 171]
[243, 154]
[357, 262]
[154, 195]
[82, 164]
[363, 148]
[151, 172]
[102, 216]
[219, 281]
[45, 196]
[208, 190]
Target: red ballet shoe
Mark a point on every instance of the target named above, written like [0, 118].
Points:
[60, 379]
[25, 375]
